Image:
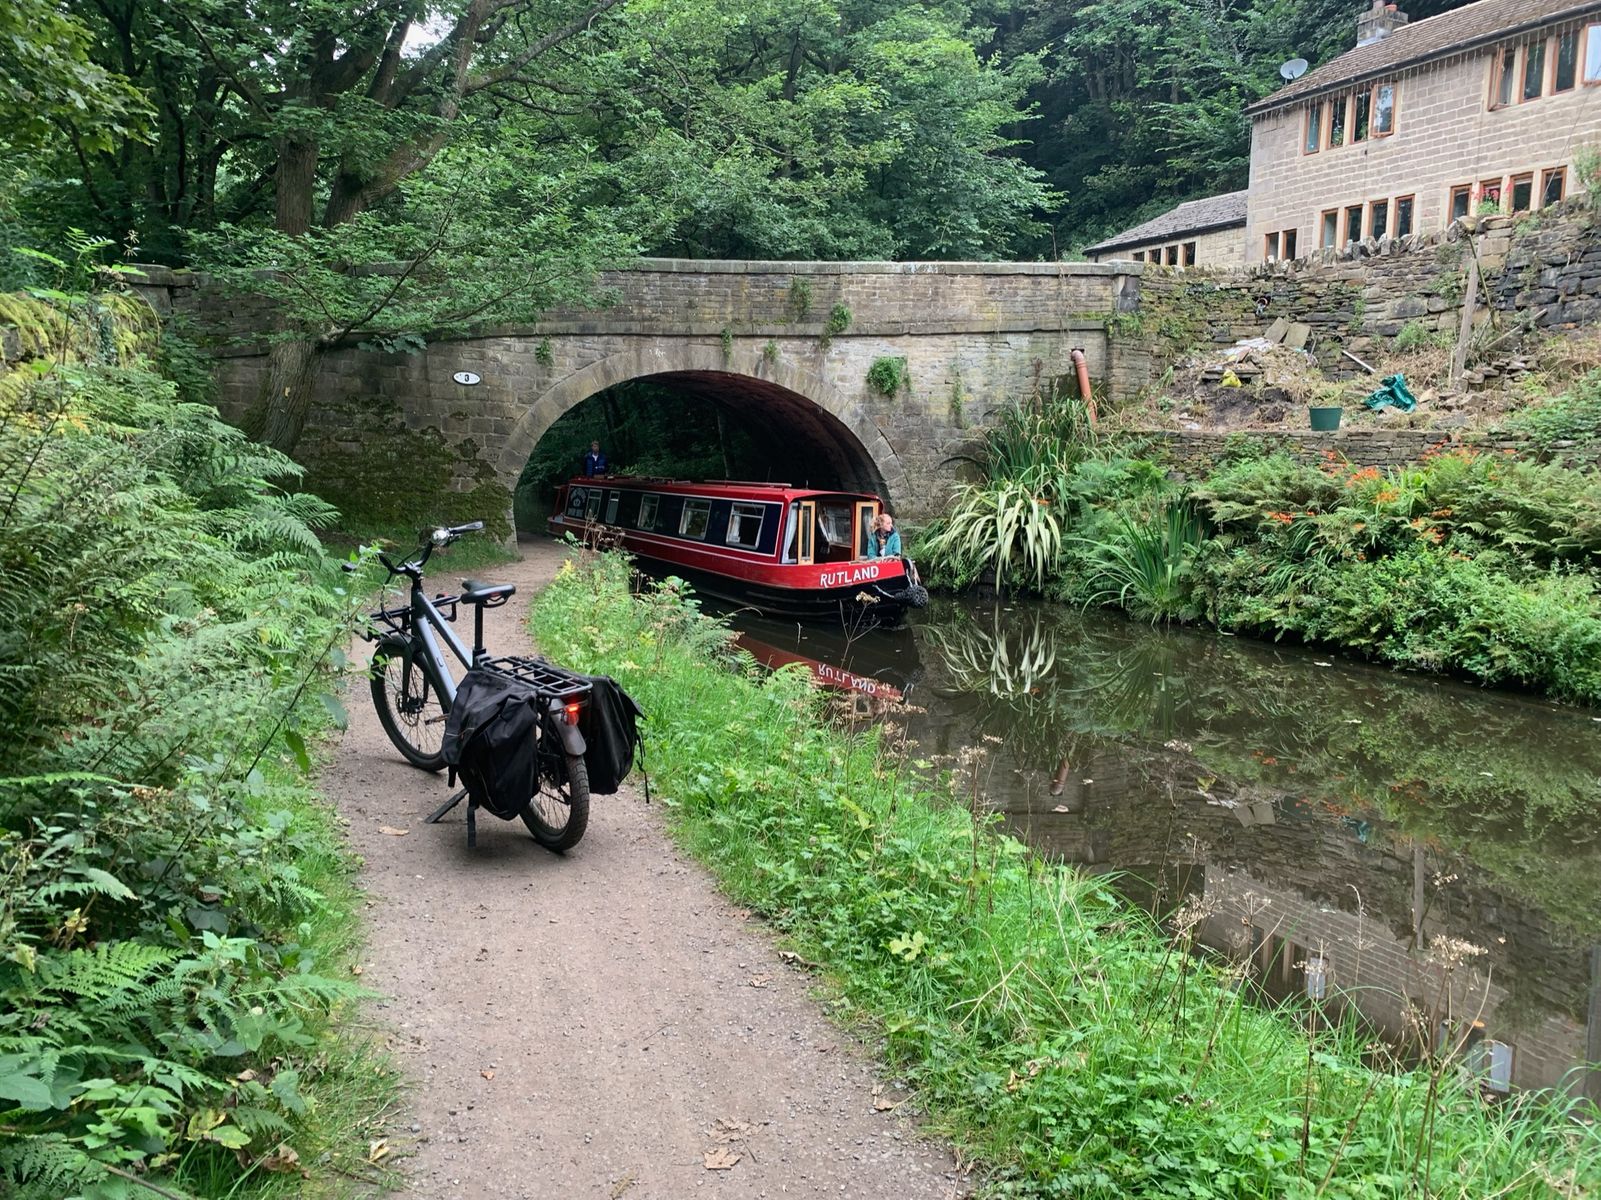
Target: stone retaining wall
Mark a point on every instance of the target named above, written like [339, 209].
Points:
[1540, 272]
[1194, 454]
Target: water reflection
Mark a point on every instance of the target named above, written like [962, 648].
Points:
[1341, 827]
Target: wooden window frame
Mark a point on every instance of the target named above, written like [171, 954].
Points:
[1289, 244]
[1270, 247]
[1170, 255]
[1343, 103]
[1360, 210]
[1509, 187]
[1499, 71]
[1322, 224]
[806, 532]
[1554, 53]
[1450, 200]
[1373, 209]
[1524, 47]
[1584, 53]
[1312, 125]
[1409, 198]
[1187, 253]
[1545, 184]
[1360, 131]
[1373, 108]
[1499, 183]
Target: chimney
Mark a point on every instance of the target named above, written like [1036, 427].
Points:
[1378, 22]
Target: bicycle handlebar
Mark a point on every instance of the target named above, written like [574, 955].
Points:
[432, 539]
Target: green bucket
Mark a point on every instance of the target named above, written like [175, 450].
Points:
[1325, 419]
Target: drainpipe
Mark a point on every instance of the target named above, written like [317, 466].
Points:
[1082, 367]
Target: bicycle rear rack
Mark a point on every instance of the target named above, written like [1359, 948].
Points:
[551, 683]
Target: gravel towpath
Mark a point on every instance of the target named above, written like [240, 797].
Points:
[599, 1024]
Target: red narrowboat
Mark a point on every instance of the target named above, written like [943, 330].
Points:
[782, 550]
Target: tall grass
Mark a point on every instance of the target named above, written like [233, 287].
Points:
[1056, 1033]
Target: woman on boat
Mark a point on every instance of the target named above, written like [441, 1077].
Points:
[884, 541]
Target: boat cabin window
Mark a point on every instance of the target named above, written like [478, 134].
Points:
[611, 507]
[866, 514]
[836, 521]
[647, 511]
[697, 514]
[745, 525]
[592, 508]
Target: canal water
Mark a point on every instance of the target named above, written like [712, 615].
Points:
[1425, 851]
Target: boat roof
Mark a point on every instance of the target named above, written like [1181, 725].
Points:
[736, 489]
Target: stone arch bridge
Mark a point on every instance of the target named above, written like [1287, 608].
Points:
[764, 338]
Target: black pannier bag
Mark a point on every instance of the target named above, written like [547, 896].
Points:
[610, 725]
[492, 741]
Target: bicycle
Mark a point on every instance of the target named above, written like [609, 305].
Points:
[413, 689]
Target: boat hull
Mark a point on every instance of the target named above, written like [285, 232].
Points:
[846, 604]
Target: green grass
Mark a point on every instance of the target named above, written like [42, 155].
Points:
[1046, 1026]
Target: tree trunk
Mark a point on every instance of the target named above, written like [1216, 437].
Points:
[280, 412]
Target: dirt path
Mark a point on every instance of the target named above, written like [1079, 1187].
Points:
[594, 1025]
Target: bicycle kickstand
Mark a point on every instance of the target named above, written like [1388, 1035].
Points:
[472, 816]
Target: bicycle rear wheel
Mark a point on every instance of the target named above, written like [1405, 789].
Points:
[559, 812]
[410, 708]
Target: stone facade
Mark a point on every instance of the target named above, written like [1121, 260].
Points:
[1216, 248]
[755, 335]
[1448, 133]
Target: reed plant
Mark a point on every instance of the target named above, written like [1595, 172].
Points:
[1062, 1038]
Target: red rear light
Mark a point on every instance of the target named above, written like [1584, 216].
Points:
[572, 713]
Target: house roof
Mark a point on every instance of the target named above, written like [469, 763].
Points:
[1477, 24]
[1193, 216]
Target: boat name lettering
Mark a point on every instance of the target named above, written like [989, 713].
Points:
[850, 575]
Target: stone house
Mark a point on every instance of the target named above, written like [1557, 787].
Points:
[1207, 233]
[1496, 103]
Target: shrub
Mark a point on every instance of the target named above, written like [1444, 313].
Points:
[887, 376]
[1571, 416]
[170, 621]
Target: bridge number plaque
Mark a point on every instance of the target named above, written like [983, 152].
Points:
[465, 378]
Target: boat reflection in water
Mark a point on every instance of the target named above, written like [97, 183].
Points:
[1423, 852]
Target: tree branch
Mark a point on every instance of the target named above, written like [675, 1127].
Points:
[536, 48]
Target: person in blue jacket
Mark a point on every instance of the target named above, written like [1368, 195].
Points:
[594, 461]
[884, 541]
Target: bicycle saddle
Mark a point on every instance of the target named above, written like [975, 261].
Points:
[475, 591]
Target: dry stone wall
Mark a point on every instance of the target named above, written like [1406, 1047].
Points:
[1540, 272]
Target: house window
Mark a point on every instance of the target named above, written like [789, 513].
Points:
[647, 511]
[1329, 229]
[1553, 186]
[745, 525]
[1522, 189]
[1287, 243]
[1189, 254]
[1592, 54]
[1270, 247]
[1337, 121]
[1170, 256]
[1461, 198]
[1533, 70]
[1364, 107]
[1353, 223]
[1378, 219]
[697, 515]
[1567, 72]
[1506, 70]
[1384, 110]
[1489, 193]
[1403, 216]
[1314, 128]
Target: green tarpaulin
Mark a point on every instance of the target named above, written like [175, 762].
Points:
[1393, 393]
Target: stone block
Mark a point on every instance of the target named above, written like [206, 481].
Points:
[1295, 337]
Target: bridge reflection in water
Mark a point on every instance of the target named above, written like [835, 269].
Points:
[1425, 852]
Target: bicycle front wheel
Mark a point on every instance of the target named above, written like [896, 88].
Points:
[410, 708]
[559, 812]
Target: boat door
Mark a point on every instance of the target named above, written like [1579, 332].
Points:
[806, 513]
[866, 511]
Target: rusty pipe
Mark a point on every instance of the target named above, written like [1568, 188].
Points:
[1082, 367]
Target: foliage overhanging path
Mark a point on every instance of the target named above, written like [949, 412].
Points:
[581, 1025]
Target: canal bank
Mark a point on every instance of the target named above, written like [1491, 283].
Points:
[1042, 1019]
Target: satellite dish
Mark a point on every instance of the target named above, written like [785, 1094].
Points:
[1294, 69]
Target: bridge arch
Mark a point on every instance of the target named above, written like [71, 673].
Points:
[824, 437]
